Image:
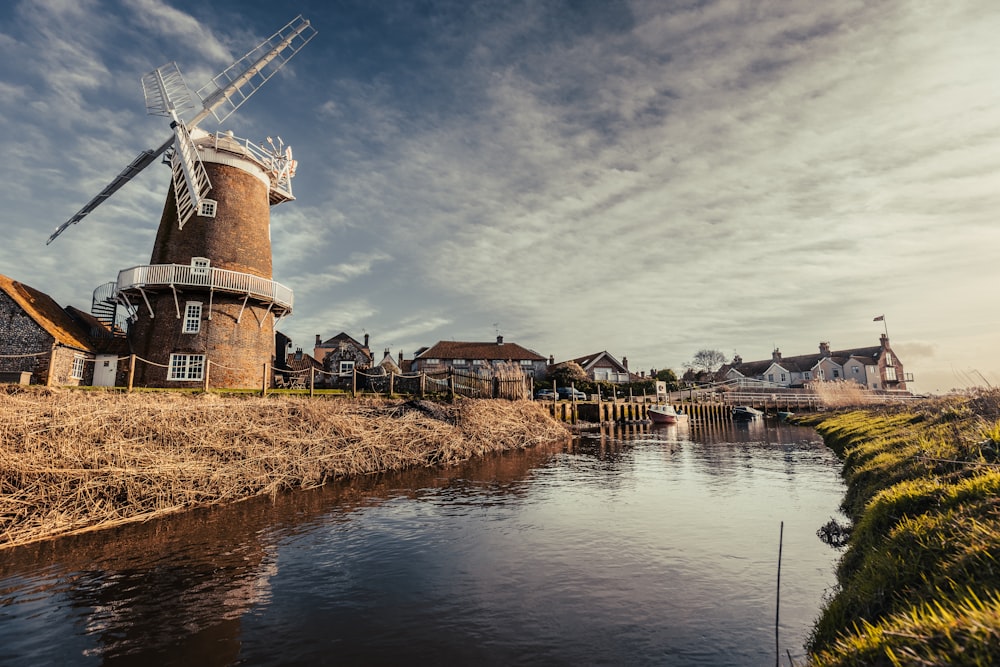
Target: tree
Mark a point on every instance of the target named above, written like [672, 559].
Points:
[668, 376]
[567, 373]
[706, 360]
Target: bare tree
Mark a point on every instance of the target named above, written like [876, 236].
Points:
[706, 360]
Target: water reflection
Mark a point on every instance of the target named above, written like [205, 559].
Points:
[635, 545]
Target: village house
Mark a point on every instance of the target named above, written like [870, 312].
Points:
[876, 367]
[602, 367]
[342, 354]
[476, 357]
[43, 343]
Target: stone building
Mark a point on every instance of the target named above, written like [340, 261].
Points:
[40, 342]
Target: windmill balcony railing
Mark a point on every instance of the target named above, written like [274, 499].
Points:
[160, 276]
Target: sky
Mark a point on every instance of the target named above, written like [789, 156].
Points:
[649, 178]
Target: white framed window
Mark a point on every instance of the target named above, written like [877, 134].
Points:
[431, 362]
[192, 317]
[478, 362]
[200, 265]
[783, 377]
[770, 377]
[836, 373]
[77, 372]
[527, 362]
[207, 208]
[888, 359]
[807, 375]
[186, 367]
[346, 367]
[856, 369]
[461, 362]
[890, 374]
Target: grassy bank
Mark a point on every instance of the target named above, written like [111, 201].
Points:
[74, 461]
[919, 581]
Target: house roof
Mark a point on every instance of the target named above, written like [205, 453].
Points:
[341, 337]
[46, 313]
[497, 351]
[591, 360]
[296, 362]
[805, 362]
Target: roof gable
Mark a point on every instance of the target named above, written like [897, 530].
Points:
[590, 361]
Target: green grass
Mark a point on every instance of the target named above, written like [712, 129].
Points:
[919, 581]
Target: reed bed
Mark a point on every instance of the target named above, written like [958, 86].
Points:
[838, 394]
[919, 583]
[76, 461]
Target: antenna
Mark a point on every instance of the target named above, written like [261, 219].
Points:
[167, 95]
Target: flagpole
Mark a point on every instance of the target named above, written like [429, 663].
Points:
[885, 325]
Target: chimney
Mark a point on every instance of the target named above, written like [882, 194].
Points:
[319, 341]
[400, 358]
[366, 340]
[386, 353]
[298, 354]
[824, 349]
[737, 360]
[552, 360]
[776, 355]
[884, 340]
[625, 362]
[499, 340]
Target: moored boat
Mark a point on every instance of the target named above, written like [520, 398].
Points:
[663, 414]
[746, 413]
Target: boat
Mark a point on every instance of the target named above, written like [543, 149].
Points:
[746, 413]
[663, 414]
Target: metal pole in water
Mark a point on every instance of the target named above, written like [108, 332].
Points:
[777, 602]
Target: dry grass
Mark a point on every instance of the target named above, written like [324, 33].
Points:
[843, 394]
[76, 461]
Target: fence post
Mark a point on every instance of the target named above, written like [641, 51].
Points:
[263, 384]
[451, 384]
[131, 371]
[392, 378]
[208, 367]
[312, 380]
[423, 379]
[354, 382]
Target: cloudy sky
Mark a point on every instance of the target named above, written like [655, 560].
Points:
[648, 178]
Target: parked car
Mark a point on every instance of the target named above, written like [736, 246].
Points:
[568, 393]
[545, 395]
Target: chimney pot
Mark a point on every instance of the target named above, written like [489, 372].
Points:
[499, 340]
[319, 341]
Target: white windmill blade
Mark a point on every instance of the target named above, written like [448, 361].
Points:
[141, 161]
[191, 183]
[233, 86]
[165, 91]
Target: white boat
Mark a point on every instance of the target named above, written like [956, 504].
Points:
[663, 414]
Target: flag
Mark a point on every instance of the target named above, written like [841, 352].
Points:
[879, 318]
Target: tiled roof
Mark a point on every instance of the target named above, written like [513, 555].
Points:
[46, 313]
[449, 349]
[302, 363]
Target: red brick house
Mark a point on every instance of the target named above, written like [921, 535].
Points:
[473, 357]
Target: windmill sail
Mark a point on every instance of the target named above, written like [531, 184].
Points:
[190, 179]
[234, 85]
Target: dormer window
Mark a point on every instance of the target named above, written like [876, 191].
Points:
[207, 208]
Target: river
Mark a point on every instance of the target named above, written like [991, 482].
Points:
[634, 546]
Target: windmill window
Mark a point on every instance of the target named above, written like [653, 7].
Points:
[192, 317]
[200, 265]
[77, 372]
[186, 367]
[207, 208]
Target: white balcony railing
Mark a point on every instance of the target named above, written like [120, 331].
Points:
[159, 276]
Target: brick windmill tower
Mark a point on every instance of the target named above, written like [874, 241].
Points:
[203, 309]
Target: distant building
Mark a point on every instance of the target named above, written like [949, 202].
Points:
[602, 367]
[471, 357]
[41, 343]
[876, 367]
[341, 354]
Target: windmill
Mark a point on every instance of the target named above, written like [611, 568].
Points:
[207, 295]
